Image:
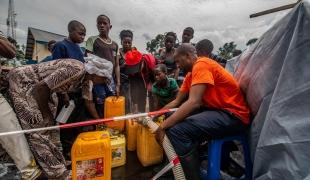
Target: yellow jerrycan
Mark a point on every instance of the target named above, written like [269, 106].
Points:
[91, 156]
[118, 146]
[114, 106]
[131, 134]
[148, 150]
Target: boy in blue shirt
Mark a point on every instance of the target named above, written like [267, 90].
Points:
[69, 48]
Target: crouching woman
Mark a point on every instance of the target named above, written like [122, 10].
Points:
[33, 91]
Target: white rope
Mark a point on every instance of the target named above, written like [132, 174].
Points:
[78, 124]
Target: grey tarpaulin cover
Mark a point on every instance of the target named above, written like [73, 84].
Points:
[274, 73]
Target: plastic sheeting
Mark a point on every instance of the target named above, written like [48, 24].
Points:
[274, 73]
[99, 66]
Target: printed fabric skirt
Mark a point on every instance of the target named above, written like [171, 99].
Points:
[45, 145]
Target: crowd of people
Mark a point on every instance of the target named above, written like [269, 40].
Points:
[210, 101]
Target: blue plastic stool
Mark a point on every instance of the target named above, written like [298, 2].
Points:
[214, 157]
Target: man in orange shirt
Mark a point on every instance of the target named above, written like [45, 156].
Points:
[211, 105]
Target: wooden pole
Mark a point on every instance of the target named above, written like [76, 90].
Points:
[269, 11]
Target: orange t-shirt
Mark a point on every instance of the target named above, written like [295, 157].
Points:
[222, 92]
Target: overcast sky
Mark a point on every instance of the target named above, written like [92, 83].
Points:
[218, 20]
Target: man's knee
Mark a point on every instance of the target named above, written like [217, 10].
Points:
[180, 137]
[172, 134]
[176, 131]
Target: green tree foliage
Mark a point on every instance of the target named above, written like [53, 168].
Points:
[155, 44]
[251, 41]
[227, 50]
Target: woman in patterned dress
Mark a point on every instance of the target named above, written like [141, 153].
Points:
[33, 91]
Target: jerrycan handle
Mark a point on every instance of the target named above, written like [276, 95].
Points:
[113, 137]
[141, 129]
[88, 138]
[132, 122]
[114, 99]
[91, 138]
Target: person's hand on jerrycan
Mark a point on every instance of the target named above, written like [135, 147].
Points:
[117, 90]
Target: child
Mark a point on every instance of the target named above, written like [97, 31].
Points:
[138, 68]
[50, 47]
[126, 37]
[166, 55]
[188, 35]
[103, 47]
[204, 48]
[165, 89]
[69, 48]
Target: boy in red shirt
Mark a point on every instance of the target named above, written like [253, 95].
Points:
[211, 105]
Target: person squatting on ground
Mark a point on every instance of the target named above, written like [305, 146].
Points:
[164, 89]
[211, 105]
[15, 145]
[32, 89]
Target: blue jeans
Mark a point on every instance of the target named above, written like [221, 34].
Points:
[100, 93]
[204, 125]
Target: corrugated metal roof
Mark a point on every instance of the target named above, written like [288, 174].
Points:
[38, 35]
[45, 36]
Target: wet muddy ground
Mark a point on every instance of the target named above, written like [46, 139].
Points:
[132, 170]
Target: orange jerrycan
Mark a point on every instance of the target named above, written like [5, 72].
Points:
[131, 133]
[148, 150]
[114, 106]
[91, 156]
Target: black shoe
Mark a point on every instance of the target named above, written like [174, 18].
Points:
[191, 165]
[234, 169]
